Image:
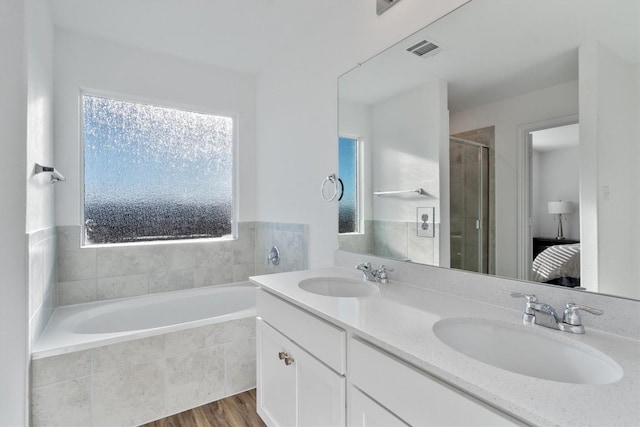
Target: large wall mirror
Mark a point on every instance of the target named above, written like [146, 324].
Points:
[502, 139]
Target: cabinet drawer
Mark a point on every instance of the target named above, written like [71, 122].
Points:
[413, 395]
[323, 340]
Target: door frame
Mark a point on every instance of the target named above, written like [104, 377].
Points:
[524, 188]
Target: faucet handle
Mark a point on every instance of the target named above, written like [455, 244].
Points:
[529, 314]
[381, 274]
[572, 313]
[529, 297]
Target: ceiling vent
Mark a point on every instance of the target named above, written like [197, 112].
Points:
[424, 48]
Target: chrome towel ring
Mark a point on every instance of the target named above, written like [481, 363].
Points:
[334, 181]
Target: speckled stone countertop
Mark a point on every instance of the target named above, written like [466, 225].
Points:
[401, 318]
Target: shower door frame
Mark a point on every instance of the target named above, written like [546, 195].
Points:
[483, 265]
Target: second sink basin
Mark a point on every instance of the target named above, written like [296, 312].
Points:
[339, 287]
[525, 351]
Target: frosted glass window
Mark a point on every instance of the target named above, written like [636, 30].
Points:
[348, 171]
[155, 173]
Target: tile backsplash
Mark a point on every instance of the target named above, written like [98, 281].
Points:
[42, 278]
[393, 239]
[100, 273]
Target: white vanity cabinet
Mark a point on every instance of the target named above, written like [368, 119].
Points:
[412, 395]
[302, 378]
[365, 412]
[301, 367]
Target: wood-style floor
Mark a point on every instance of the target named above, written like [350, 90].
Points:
[234, 411]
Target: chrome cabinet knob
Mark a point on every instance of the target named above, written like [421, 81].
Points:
[288, 360]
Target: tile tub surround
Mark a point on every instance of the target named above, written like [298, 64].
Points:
[42, 279]
[109, 272]
[134, 382]
[291, 240]
[400, 321]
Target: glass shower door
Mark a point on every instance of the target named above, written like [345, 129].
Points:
[469, 193]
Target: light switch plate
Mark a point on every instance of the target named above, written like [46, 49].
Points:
[425, 221]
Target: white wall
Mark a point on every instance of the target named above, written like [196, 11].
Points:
[406, 140]
[609, 133]
[40, 203]
[506, 116]
[556, 176]
[82, 62]
[40, 192]
[535, 193]
[297, 113]
[13, 157]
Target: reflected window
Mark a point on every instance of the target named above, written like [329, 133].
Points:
[348, 170]
[155, 173]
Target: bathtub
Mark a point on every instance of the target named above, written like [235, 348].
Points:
[134, 360]
[85, 326]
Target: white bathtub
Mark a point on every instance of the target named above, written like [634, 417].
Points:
[95, 324]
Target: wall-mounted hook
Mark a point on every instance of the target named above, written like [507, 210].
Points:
[55, 175]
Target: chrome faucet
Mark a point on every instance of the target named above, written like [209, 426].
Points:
[366, 268]
[374, 275]
[570, 322]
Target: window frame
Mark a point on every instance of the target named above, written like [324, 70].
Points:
[359, 184]
[162, 103]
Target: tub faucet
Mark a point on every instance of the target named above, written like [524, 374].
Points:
[374, 275]
[537, 313]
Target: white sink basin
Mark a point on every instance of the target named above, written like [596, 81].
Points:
[527, 351]
[339, 287]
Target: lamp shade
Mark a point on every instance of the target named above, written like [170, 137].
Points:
[559, 207]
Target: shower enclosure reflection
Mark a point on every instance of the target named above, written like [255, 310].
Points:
[470, 205]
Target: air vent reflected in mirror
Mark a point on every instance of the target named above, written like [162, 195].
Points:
[424, 48]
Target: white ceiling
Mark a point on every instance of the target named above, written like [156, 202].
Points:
[492, 48]
[495, 49]
[556, 138]
[242, 35]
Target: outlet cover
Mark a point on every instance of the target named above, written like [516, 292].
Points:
[425, 222]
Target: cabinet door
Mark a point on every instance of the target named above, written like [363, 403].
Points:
[364, 412]
[321, 393]
[303, 393]
[276, 380]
